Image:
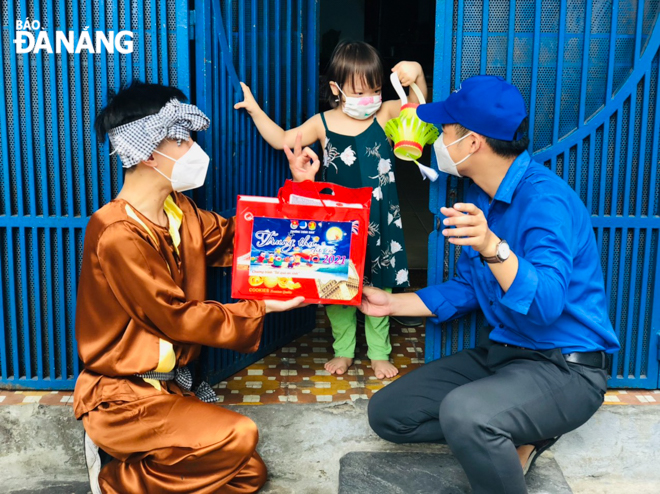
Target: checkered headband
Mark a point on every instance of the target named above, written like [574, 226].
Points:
[135, 141]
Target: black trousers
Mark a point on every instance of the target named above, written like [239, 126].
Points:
[486, 401]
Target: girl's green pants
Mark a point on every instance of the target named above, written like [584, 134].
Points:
[343, 320]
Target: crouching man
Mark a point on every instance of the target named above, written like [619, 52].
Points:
[529, 261]
[142, 313]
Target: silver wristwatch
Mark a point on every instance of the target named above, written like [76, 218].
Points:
[502, 253]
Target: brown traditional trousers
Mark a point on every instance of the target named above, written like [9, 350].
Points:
[183, 445]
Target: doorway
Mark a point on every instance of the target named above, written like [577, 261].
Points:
[399, 31]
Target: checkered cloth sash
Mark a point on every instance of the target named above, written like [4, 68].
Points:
[183, 378]
[136, 140]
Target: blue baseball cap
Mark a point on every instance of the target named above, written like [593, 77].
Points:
[485, 104]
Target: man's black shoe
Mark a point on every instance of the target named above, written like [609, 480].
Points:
[539, 448]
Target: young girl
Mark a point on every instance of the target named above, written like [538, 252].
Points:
[357, 154]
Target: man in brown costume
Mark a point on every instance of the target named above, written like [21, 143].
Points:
[142, 313]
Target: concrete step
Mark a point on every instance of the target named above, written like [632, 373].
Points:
[426, 473]
[302, 445]
[54, 487]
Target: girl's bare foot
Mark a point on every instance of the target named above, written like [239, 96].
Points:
[338, 365]
[384, 369]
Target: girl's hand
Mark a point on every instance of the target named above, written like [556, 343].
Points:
[408, 72]
[303, 163]
[248, 103]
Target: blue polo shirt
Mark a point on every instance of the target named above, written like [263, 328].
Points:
[557, 299]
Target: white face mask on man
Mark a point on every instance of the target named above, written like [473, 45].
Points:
[361, 107]
[189, 171]
[445, 163]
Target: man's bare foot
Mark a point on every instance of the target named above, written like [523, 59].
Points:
[338, 365]
[384, 369]
[524, 452]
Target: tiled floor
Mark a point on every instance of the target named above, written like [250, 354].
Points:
[295, 374]
[632, 397]
[41, 397]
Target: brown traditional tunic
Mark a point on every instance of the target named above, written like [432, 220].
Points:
[141, 307]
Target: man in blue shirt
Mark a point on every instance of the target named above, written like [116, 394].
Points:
[529, 261]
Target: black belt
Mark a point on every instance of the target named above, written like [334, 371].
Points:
[590, 359]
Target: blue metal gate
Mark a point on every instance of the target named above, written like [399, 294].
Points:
[589, 72]
[54, 175]
[271, 46]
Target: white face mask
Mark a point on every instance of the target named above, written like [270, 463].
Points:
[189, 171]
[445, 163]
[361, 107]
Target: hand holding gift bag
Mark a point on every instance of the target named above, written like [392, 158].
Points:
[309, 241]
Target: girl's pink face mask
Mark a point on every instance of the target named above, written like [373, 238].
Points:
[367, 100]
[361, 107]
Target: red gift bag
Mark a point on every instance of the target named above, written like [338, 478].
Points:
[311, 240]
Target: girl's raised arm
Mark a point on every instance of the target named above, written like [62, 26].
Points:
[408, 72]
[275, 135]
